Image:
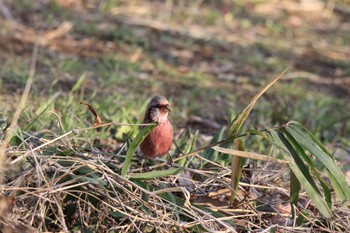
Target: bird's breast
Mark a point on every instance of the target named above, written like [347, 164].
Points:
[159, 141]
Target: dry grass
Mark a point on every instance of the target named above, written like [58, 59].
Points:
[89, 188]
[61, 187]
[58, 181]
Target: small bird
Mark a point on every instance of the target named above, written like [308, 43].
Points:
[158, 142]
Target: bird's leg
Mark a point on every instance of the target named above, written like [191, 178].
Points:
[144, 166]
[170, 160]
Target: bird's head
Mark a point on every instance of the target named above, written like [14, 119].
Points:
[158, 109]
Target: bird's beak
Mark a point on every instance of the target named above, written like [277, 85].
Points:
[167, 108]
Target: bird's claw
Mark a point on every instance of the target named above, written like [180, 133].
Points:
[170, 161]
[146, 168]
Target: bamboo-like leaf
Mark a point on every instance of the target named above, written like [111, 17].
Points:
[236, 169]
[338, 190]
[310, 143]
[300, 151]
[316, 198]
[281, 140]
[302, 174]
[248, 155]
[299, 169]
[238, 121]
[133, 146]
[294, 191]
[157, 174]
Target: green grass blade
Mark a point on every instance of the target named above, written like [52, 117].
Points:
[316, 198]
[236, 169]
[310, 143]
[279, 138]
[36, 118]
[133, 146]
[337, 188]
[157, 174]
[77, 85]
[300, 151]
[238, 121]
[302, 174]
[294, 191]
[189, 145]
[214, 155]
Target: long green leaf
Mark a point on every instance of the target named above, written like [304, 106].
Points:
[280, 138]
[247, 155]
[294, 191]
[157, 174]
[310, 143]
[299, 169]
[316, 198]
[337, 188]
[236, 169]
[300, 151]
[238, 121]
[133, 146]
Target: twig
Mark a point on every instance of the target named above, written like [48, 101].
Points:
[5, 11]
[18, 110]
[316, 78]
[25, 155]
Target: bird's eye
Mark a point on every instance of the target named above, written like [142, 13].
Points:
[158, 106]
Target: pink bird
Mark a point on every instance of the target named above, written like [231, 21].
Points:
[158, 142]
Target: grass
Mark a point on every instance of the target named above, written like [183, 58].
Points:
[77, 183]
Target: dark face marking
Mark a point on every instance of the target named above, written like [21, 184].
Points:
[163, 107]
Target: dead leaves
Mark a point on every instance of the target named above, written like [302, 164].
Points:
[98, 120]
